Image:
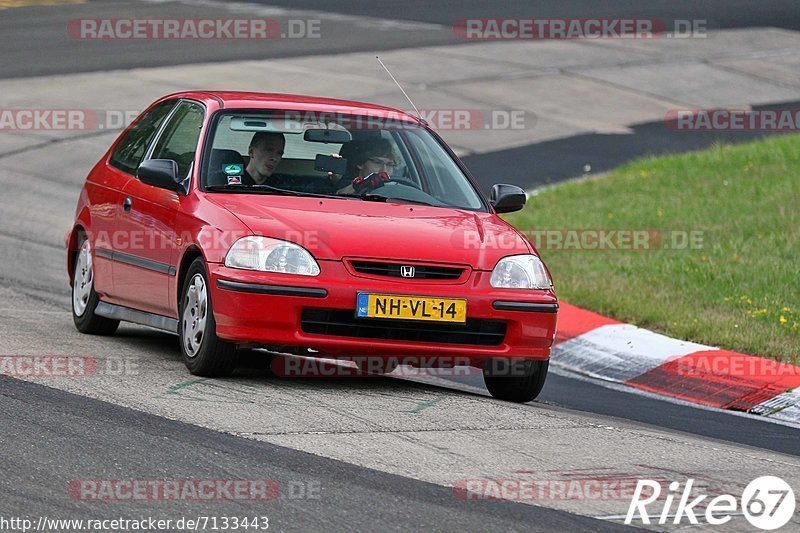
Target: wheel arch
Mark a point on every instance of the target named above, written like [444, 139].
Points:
[72, 240]
[192, 252]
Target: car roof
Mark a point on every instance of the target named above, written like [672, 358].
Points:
[254, 100]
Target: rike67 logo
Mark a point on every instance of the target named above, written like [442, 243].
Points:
[767, 502]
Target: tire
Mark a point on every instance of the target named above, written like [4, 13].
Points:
[515, 380]
[204, 354]
[84, 297]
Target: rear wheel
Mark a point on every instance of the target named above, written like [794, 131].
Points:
[515, 380]
[203, 352]
[84, 298]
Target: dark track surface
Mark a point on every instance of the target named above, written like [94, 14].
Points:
[58, 437]
[591, 397]
[553, 161]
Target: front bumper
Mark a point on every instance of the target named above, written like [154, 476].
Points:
[265, 309]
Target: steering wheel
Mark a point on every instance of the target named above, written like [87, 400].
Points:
[401, 181]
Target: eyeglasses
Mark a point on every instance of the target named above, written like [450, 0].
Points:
[382, 162]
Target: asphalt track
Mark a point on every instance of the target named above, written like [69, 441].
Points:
[101, 437]
[592, 397]
[553, 161]
[720, 13]
[35, 41]
[298, 430]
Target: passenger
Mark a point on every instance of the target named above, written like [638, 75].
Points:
[265, 151]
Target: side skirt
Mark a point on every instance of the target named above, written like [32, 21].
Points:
[117, 312]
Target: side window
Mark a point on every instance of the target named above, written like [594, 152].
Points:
[130, 150]
[179, 139]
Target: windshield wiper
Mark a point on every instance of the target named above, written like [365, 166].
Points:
[367, 197]
[379, 198]
[269, 189]
[235, 188]
[266, 189]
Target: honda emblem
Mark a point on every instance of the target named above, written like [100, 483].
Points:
[407, 271]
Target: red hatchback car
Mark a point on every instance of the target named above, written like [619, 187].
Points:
[310, 226]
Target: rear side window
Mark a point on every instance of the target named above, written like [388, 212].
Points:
[130, 150]
[179, 139]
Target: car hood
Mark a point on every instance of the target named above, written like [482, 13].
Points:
[332, 229]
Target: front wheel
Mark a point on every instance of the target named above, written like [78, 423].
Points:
[84, 297]
[204, 354]
[515, 380]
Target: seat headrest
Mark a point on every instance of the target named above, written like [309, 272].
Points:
[219, 159]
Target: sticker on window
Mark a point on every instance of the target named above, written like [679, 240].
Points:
[233, 170]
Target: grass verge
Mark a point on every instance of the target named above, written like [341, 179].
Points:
[717, 234]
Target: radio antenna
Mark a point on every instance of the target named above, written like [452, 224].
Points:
[419, 115]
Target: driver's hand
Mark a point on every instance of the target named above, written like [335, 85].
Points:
[371, 182]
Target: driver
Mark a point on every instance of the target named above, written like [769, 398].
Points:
[265, 151]
[364, 158]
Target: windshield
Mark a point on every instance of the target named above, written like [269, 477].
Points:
[348, 156]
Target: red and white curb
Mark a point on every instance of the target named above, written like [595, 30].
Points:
[596, 346]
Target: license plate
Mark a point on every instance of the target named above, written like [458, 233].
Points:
[411, 307]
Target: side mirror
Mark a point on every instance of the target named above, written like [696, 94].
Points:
[507, 198]
[161, 173]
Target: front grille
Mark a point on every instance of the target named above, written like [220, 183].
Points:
[393, 270]
[343, 323]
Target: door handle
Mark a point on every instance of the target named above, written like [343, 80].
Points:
[127, 204]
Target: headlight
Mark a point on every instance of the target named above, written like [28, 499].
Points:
[271, 255]
[520, 272]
